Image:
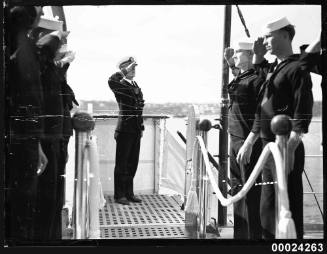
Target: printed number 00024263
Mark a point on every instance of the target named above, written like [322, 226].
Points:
[298, 247]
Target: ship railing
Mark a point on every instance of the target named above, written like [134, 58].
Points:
[203, 175]
[88, 197]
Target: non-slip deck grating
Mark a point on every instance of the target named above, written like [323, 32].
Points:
[154, 210]
[143, 232]
[157, 216]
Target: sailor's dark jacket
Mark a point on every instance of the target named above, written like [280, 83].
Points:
[52, 90]
[287, 90]
[243, 95]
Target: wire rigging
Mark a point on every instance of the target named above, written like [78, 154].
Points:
[243, 21]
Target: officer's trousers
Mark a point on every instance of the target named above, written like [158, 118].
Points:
[127, 159]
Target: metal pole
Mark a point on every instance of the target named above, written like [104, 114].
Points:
[281, 140]
[281, 126]
[80, 187]
[201, 197]
[83, 123]
[191, 132]
[204, 127]
[204, 190]
[223, 135]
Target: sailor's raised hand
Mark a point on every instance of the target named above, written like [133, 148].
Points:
[258, 47]
[228, 53]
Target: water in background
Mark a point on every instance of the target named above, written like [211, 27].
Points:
[313, 164]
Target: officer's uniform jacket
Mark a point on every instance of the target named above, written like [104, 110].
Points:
[130, 102]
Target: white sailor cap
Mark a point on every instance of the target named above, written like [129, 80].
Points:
[60, 34]
[275, 25]
[243, 44]
[126, 61]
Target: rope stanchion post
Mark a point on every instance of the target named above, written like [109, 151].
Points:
[204, 126]
[191, 132]
[83, 124]
[285, 228]
[281, 126]
[96, 198]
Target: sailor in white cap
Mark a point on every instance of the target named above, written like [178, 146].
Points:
[128, 131]
[277, 40]
[287, 90]
[243, 93]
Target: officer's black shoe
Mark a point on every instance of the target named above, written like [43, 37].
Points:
[134, 199]
[122, 201]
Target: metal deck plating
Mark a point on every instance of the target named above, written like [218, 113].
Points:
[158, 216]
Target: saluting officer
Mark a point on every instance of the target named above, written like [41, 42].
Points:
[128, 131]
[243, 92]
[287, 90]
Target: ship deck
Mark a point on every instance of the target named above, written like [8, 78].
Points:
[158, 216]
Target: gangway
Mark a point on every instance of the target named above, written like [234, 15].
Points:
[160, 215]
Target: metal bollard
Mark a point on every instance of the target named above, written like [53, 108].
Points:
[83, 123]
[204, 126]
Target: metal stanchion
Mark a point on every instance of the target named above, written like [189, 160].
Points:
[83, 123]
[204, 126]
[281, 126]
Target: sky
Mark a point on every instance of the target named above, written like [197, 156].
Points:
[178, 47]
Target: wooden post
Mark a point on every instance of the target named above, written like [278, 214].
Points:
[223, 135]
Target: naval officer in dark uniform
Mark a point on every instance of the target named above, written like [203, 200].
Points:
[243, 95]
[128, 131]
[287, 90]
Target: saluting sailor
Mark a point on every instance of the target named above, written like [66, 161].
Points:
[287, 90]
[128, 131]
[243, 95]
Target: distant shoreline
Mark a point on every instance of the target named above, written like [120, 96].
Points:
[176, 109]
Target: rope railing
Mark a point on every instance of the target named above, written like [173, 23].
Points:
[88, 196]
[285, 228]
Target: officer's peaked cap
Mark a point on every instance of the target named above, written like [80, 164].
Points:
[125, 61]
